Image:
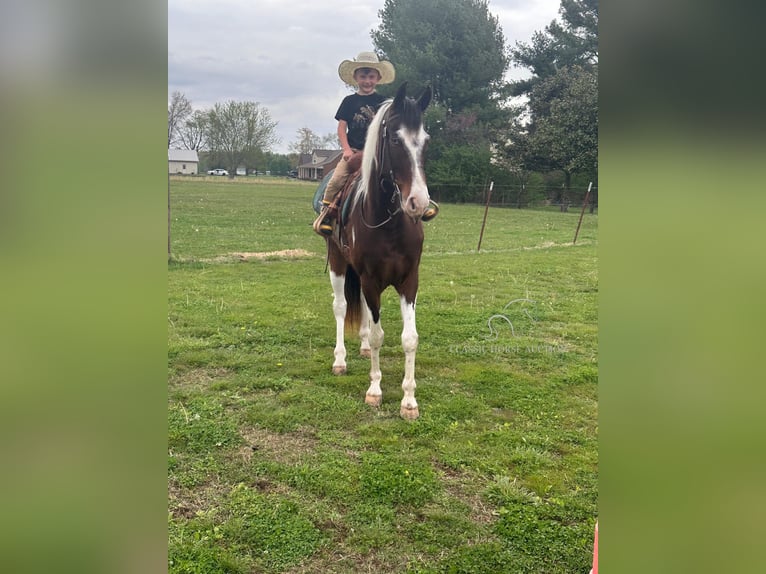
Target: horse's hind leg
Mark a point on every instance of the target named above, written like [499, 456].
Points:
[409, 407]
[339, 309]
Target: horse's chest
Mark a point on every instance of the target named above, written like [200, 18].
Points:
[391, 265]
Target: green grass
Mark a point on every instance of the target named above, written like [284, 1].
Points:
[275, 465]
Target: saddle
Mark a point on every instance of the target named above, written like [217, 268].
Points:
[338, 209]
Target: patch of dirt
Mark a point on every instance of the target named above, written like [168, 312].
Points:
[284, 253]
[187, 502]
[286, 448]
[264, 255]
[461, 486]
[340, 558]
[197, 378]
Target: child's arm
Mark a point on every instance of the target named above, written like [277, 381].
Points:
[342, 129]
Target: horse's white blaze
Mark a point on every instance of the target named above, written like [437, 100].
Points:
[419, 199]
[339, 308]
[410, 346]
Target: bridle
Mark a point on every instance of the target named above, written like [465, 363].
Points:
[386, 183]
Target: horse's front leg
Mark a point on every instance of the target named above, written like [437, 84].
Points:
[374, 395]
[339, 309]
[409, 407]
[364, 330]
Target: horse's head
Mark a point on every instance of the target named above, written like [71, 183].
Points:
[402, 153]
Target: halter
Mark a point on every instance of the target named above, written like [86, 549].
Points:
[385, 143]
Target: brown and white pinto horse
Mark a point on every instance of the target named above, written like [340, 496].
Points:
[380, 241]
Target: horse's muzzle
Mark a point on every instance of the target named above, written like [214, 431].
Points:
[415, 206]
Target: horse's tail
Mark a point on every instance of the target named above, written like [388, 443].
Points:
[353, 290]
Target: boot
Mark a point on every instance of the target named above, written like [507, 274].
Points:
[323, 222]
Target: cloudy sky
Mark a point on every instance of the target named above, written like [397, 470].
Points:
[285, 54]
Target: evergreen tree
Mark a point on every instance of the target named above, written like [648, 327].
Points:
[572, 41]
[458, 48]
[560, 131]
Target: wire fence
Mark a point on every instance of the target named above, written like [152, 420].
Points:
[515, 195]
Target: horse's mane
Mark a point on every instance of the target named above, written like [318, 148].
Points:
[370, 154]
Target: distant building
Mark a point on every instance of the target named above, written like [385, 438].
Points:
[183, 161]
[316, 165]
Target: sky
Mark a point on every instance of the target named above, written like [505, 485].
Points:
[284, 54]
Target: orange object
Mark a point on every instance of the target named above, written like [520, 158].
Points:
[594, 570]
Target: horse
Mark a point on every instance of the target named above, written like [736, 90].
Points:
[379, 241]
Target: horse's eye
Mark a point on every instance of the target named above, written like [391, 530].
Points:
[395, 140]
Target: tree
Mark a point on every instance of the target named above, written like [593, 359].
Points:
[456, 46]
[192, 134]
[278, 164]
[238, 133]
[178, 110]
[307, 141]
[580, 31]
[331, 141]
[566, 128]
[518, 157]
[571, 42]
[561, 127]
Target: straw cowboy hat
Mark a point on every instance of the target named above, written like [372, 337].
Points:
[366, 60]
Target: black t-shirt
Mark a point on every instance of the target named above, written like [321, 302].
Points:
[358, 112]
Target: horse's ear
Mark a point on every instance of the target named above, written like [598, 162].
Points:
[401, 93]
[425, 98]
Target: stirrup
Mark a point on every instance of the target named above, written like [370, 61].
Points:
[431, 211]
[325, 227]
[323, 222]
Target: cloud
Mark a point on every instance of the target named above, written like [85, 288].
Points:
[285, 55]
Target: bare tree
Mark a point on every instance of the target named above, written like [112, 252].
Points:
[307, 141]
[193, 133]
[178, 110]
[331, 141]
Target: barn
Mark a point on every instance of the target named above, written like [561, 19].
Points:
[183, 161]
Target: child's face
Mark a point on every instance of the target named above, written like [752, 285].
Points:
[366, 79]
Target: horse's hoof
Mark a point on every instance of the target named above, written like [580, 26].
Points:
[409, 414]
[373, 400]
[339, 370]
[367, 353]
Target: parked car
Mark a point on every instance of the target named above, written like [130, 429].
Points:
[218, 171]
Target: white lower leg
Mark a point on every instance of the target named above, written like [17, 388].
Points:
[375, 393]
[409, 407]
[339, 308]
[364, 330]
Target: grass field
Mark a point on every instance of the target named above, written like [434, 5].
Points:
[275, 465]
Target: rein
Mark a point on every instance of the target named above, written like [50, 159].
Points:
[384, 146]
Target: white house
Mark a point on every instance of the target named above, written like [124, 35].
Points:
[184, 161]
